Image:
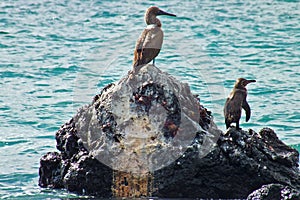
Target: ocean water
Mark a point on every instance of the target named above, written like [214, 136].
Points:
[56, 55]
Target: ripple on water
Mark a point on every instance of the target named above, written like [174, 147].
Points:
[55, 55]
[12, 142]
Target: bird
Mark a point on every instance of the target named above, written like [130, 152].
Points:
[150, 41]
[236, 102]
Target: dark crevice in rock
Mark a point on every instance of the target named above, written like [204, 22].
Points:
[108, 124]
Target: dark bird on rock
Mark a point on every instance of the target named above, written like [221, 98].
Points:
[235, 102]
[150, 41]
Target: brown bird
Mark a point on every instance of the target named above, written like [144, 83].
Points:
[236, 101]
[150, 41]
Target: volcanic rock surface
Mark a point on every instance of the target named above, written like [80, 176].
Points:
[148, 135]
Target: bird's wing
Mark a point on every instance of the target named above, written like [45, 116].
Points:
[246, 107]
[148, 46]
[140, 42]
[138, 48]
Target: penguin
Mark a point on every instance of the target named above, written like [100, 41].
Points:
[236, 102]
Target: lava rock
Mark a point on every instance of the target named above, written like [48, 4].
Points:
[87, 175]
[143, 122]
[72, 168]
[152, 111]
[274, 191]
[242, 162]
[50, 170]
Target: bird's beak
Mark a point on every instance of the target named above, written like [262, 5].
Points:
[250, 81]
[161, 12]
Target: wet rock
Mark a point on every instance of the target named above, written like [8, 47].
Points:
[72, 168]
[87, 175]
[50, 170]
[148, 135]
[274, 191]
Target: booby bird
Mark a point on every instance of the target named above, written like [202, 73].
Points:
[236, 101]
[150, 41]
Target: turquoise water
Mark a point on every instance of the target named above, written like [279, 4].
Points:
[56, 55]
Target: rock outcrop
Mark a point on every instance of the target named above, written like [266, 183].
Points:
[148, 135]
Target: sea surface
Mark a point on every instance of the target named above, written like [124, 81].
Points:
[55, 55]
